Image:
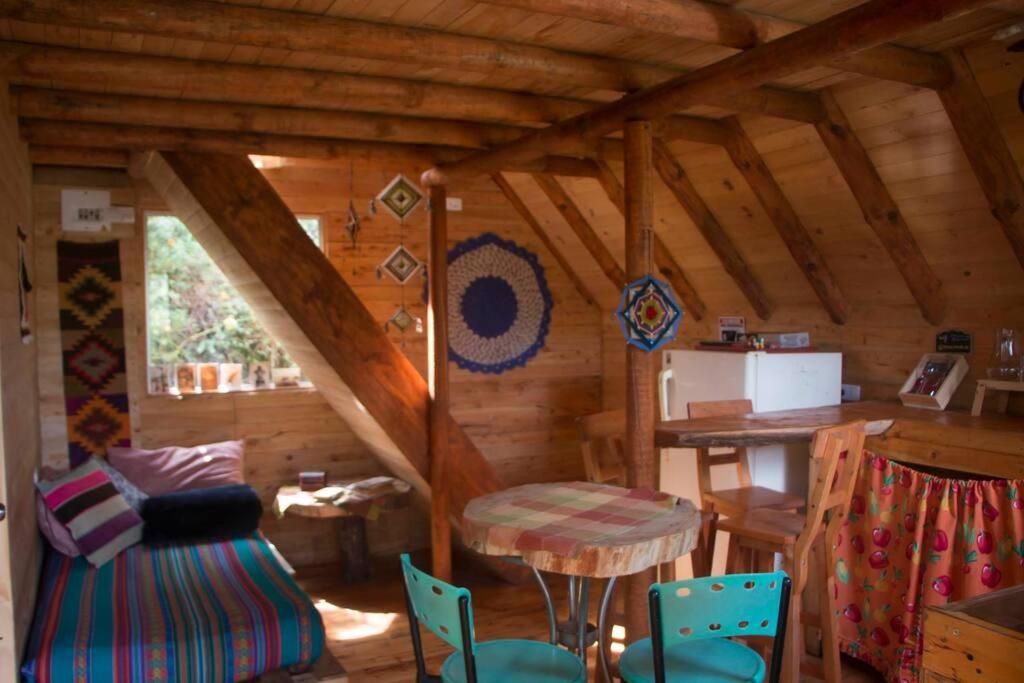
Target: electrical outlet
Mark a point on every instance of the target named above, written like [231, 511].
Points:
[851, 392]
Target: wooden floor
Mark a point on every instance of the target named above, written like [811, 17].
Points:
[369, 635]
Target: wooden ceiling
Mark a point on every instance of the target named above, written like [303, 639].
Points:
[426, 81]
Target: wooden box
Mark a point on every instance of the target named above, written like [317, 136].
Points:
[941, 398]
[975, 640]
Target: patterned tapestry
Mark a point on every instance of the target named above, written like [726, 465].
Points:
[92, 341]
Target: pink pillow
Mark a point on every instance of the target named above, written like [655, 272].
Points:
[176, 468]
[55, 532]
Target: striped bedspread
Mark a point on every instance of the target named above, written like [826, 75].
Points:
[213, 612]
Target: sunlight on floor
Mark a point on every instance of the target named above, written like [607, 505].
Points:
[349, 624]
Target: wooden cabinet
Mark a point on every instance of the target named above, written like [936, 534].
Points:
[980, 639]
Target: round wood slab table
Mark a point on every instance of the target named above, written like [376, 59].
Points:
[584, 531]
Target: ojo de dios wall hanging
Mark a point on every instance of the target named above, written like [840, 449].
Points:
[499, 304]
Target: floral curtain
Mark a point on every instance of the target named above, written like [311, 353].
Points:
[913, 540]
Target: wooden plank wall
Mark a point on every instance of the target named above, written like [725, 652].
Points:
[20, 549]
[911, 140]
[522, 420]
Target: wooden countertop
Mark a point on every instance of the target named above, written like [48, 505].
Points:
[991, 445]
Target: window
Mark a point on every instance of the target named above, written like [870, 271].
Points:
[202, 335]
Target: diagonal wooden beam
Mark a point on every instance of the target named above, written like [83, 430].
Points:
[352, 38]
[584, 232]
[663, 259]
[678, 183]
[524, 212]
[719, 24]
[149, 138]
[786, 221]
[880, 210]
[858, 28]
[986, 149]
[226, 94]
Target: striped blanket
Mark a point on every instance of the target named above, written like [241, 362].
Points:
[214, 612]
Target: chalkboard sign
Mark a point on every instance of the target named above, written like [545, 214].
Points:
[953, 341]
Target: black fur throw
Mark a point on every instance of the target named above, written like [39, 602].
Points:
[202, 514]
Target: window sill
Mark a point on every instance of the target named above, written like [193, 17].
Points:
[245, 391]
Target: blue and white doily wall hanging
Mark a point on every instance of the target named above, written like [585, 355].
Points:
[499, 304]
[648, 313]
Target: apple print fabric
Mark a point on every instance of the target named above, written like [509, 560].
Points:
[913, 540]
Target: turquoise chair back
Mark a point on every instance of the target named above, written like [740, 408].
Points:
[719, 607]
[444, 609]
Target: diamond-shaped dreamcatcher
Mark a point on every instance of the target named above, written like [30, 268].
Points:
[402, 320]
[648, 313]
[401, 265]
[400, 197]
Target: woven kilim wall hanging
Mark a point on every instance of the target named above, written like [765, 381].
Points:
[92, 340]
[499, 305]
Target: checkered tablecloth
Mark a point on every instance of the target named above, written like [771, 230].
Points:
[566, 518]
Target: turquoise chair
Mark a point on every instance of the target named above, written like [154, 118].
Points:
[447, 611]
[692, 622]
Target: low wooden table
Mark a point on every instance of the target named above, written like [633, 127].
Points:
[584, 531]
[349, 516]
[975, 640]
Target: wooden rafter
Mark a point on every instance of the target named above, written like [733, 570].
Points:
[226, 95]
[986, 149]
[856, 29]
[880, 210]
[665, 262]
[199, 20]
[787, 223]
[719, 24]
[89, 157]
[524, 212]
[678, 183]
[582, 228]
[146, 138]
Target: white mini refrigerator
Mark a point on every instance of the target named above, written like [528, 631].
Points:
[772, 381]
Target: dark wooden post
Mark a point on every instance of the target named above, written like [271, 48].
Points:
[437, 342]
[640, 464]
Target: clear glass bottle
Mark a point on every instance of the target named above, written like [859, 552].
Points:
[1006, 357]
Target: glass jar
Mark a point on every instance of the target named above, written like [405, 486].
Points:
[1006, 356]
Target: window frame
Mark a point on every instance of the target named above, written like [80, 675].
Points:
[177, 395]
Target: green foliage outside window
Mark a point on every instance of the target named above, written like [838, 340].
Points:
[194, 314]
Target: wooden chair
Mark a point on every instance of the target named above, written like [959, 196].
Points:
[730, 502]
[836, 454]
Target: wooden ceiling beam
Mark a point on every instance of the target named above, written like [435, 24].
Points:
[166, 80]
[880, 210]
[678, 183]
[787, 223]
[719, 24]
[226, 23]
[856, 29]
[663, 258]
[153, 138]
[582, 228]
[88, 157]
[524, 212]
[986, 149]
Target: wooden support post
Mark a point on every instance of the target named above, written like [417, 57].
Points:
[641, 467]
[986, 149]
[678, 183]
[667, 265]
[880, 209]
[524, 212]
[786, 221]
[437, 341]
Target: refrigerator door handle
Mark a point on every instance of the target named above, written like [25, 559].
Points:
[664, 378]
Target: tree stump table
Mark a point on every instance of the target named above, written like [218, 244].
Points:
[584, 531]
[353, 503]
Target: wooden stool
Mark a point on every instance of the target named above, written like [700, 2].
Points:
[759, 534]
[729, 502]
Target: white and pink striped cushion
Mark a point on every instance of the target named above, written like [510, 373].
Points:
[86, 502]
